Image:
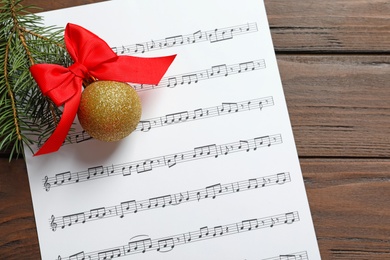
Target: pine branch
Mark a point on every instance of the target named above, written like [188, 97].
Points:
[26, 116]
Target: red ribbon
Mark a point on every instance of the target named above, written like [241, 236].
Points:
[92, 58]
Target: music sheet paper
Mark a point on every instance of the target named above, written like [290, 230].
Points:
[211, 172]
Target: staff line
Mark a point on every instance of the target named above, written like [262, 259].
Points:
[225, 108]
[213, 36]
[143, 244]
[134, 206]
[147, 165]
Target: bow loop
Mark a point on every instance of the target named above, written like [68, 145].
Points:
[85, 47]
[92, 57]
[56, 82]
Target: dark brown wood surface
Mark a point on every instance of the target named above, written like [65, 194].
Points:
[334, 60]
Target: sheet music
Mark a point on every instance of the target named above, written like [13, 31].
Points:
[211, 171]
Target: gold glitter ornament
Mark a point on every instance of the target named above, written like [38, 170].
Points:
[109, 110]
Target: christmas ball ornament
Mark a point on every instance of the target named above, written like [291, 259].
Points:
[109, 110]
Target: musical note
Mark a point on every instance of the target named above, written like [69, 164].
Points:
[139, 48]
[244, 144]
[165, 245]
[95, 172]
[274, 221]
[218, 231]
[221, 70]
[197, 36]
[291, 256]
[173, 40]
[229, 107]
[145, 166]
[253, 183]
[207, 150]
[124, 49]
[220, 35]
[213, 36]
[171, 160]
[203, 232]
[198, 113]
[161, 201]
[289, 218]
[245, 66]
[81, 137]
[109, 254]
[249, 224]
[176, 117]
[78, 256]
[69, 220]
[148, 165]
[115, 49]
[126, 170]
[181, 197]
[190, 78]
[172, 82]
[128, 206]
[97, 213]
[145, 126]
[61, 178]
[190, 115]
[209, 192]
[139, 246]
[168, 243]
[109, 169]
[262, 141]
[225, 149]
[281, 178]
[213, 190]
[287, 257]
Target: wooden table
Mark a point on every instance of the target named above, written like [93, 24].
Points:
[334, 59]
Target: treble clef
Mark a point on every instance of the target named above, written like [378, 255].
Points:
[53, 224]
[47, 184]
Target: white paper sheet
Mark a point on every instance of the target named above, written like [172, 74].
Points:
[212, 170]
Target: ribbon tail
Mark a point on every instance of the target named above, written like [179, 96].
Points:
[56, 140]
[134, 69]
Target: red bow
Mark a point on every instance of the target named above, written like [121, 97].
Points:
[92, 57]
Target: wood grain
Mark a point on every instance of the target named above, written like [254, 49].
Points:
[338, 190]
[339, 105]
[334, 60]
[349, 201]
[330, 26]
[46, 5]
[18, 239]
[311, 25]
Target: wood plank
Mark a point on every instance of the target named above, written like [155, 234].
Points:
[350, 200]
[47, 5]
[337, 190]
[18, 239]
[339, 105]
[330, 26]
[311, 25]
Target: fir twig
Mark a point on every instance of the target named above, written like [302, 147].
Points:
[26, 116]
[11, 95]
[41, 37]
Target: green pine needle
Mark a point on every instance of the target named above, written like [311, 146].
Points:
[26, 116]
